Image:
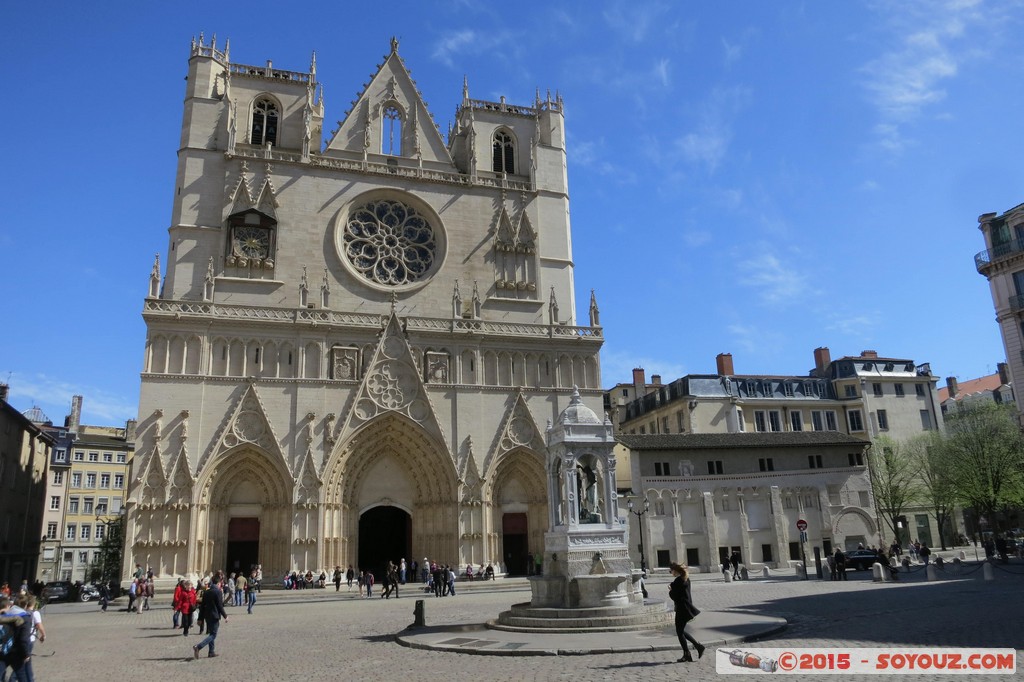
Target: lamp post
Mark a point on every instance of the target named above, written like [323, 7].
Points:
[639, 522]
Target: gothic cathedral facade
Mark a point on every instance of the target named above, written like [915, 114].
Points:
[356, 345]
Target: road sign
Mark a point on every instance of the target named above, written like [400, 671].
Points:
[803, 536]
[801, 525]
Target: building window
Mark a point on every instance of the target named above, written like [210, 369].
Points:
[76, 480]
[86, 531]
[504, 153]
[118, 481]
[662, 469]
[766, 553]
[73, 505]
[51, 530]
[100, 529]
[760, 421]
[108, 457]
[766, 464]
[83, 557]
[665, 428]
[856, 420]
[814, 462]
[54, 502]
[58, 477]
[680, 421]
[830, 421]
[87, 505]
[94, 456]
[833, 494]
[122, 458]
[850, 390]
[71, 532]
[816, 422]
[899, 390]
[856, 459]
[60, 455]
[643, 430]
[926, 420]
[715, 466]
[787, 389]
[90, 480]
[919, 390]
[883, 420]
[741, 424]
[625, 393]
[104, 480]
[774, 421]
[796, 421]
[101, 507]
[391, 131]
[264, 122]
[79, 456]
[877, 388]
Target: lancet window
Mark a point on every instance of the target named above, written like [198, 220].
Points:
[504, 153]
[391, 131]
[265, 117]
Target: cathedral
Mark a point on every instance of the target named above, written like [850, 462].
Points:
[359, 338]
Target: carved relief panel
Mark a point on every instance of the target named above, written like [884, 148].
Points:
[345, 362]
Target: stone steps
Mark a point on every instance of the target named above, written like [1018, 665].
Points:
[524, 618]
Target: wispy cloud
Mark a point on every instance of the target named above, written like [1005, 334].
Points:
[756, 340]
[928, 42]
[776, 282]
[708, 143]
[617, 366]
[634, 20]
[54, 395]
[452, 43]
[594, 156]
[853, 327]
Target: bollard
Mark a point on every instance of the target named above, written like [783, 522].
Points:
[989, 572]
[963, 555]
[728, 576]
[930, 572]
[766, 573]
[878, 573]
[419, 614]
[801, 571]
[744, 574]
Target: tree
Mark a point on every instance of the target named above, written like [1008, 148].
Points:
[106, 565]
[894, 478]
[984, 457]
[936, 484]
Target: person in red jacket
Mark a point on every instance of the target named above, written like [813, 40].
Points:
[185, 602]
[176, 617]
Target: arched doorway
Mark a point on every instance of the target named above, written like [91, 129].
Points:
[515, 541]
[385, 534]
[243, 544]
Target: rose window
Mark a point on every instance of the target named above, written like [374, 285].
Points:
[389, 243]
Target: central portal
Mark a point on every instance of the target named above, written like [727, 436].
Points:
[243, 544]
[385, 534]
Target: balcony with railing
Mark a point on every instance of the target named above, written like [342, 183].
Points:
[986, 258]
[1017, 302]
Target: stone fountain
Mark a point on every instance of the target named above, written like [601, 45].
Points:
[588, 581]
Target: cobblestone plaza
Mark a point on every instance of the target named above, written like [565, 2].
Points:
[323, 635]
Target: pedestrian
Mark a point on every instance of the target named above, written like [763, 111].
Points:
[201, 588]
[187, 604]
[104, 597]
[401, 571]
[212, 612]
[176, 602]
[229, 590]
[350, 576]
[925, 553]
[140, 595]
[337, 578]
[132, 590]
[538, 564]
[240, 587]
[833, 575]
[679, 593]
[425, 570]
[369, 584]
[258, 578]
[19, 657]
[840, 560]
[250, 592]
[734, 559]
[725, 566]
[451, 581]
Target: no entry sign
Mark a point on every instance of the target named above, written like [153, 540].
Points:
[801, 525]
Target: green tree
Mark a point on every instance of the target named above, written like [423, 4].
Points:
[894, 479]
[984, 457]
[936, 487]
[106, 565]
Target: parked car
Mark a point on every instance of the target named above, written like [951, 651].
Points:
[58, 590]
[861, 559]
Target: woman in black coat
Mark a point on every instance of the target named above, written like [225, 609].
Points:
[679, 593]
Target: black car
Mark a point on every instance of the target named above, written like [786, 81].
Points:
[861, 559]
[58, 590]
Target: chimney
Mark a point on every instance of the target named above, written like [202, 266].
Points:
[75, 418]
[656, 379]
[951, 386]
[822, 358]
[873, 354]
[724, 363]
[1004, 373]
[130, 427]
[639, 382]
[4, 391]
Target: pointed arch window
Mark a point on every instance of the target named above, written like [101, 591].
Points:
[504, 153]
[391, 131]
[264, 122]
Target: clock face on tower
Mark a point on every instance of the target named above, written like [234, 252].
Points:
[251, 242]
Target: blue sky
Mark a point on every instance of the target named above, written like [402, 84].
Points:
[760, 178]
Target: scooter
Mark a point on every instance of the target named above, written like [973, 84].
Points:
[88, 592]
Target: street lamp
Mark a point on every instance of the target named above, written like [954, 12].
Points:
[640, 525]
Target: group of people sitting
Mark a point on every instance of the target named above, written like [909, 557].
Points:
[480, 574]
[307, 581]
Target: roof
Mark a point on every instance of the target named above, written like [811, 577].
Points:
[706, 441]
[991, 382]
[97, 440]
